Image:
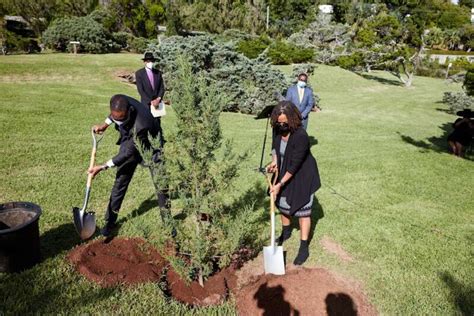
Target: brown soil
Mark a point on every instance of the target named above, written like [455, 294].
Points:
[15, 217]
[128, 261]
[132, 261]
[300, 292]
[303, 292]
[333, 247]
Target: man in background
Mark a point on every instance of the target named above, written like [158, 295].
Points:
[302, 96]
[150, 86]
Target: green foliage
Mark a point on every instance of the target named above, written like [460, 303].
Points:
[458, 101]
[200, 178]
[350, 62]
[283, 53]
[252, 48]
[469, 83]
[249, 84]
[216, 16]
[137, 17]
[93, 37]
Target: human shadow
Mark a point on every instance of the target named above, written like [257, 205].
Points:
[312, 141]
[61, 238]
[381, 80]
[462, 295]
[340, 304]
[438, 144]
[272, 301]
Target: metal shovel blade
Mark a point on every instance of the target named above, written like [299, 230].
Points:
[273, 260]
[84, 222]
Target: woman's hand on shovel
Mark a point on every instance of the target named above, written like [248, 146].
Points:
[275, 189]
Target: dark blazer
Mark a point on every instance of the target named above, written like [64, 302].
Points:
[141, 124]
[301, 164]
[147, 93]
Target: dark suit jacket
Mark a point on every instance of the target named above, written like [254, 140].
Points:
[141, 124]
[301, 164]
[147, 93]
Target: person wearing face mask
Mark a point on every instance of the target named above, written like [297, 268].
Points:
[150, 85]
[302, 96]
[133, 121]
[298, 175]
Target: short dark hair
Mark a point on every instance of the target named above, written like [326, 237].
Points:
[291, 112]
[303, 74]
[119, 103]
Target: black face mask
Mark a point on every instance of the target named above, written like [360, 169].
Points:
[283, 128]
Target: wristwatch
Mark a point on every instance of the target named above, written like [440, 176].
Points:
[282, 183]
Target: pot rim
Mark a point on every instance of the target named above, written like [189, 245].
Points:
[26, 205]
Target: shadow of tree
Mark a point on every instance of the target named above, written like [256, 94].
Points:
[340, 304]
[462, 295]
[393, 82]
[272, 301]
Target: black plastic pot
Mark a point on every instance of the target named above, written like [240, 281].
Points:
[19, 236]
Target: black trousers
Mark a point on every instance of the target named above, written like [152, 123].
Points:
[122, 180]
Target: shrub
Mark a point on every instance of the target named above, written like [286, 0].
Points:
[458, 101]
[249, 84]
[94, 38]
[283, 53]
[17, 43]
[138, 44]
[469, 83]
[350, 62]
[253, 47]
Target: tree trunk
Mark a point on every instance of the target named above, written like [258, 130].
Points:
[200, 278]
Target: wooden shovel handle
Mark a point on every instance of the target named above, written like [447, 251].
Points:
[272, 197]
[92, 161]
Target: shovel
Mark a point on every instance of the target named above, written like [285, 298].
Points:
[85, 220]
[273, 255]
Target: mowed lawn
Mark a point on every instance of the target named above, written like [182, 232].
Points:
[392, 196]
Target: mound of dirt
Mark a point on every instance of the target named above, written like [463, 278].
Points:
[131, 261]
[127, 261]
[303, 292]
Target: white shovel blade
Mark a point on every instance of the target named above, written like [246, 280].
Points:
[273, 260]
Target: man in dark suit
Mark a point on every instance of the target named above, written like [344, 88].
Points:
[150, 84]
[133, 121]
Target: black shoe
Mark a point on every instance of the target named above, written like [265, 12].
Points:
[108, 230]
[285, 235]
[303, 253]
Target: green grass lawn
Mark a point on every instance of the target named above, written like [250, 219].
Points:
[392, 196]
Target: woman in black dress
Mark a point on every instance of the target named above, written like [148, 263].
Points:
[298, 176]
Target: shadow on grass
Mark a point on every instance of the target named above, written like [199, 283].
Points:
[59, 239]
[437, 144]
[146, 205]
[462, 295]
[30, 293]
[392, 82]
